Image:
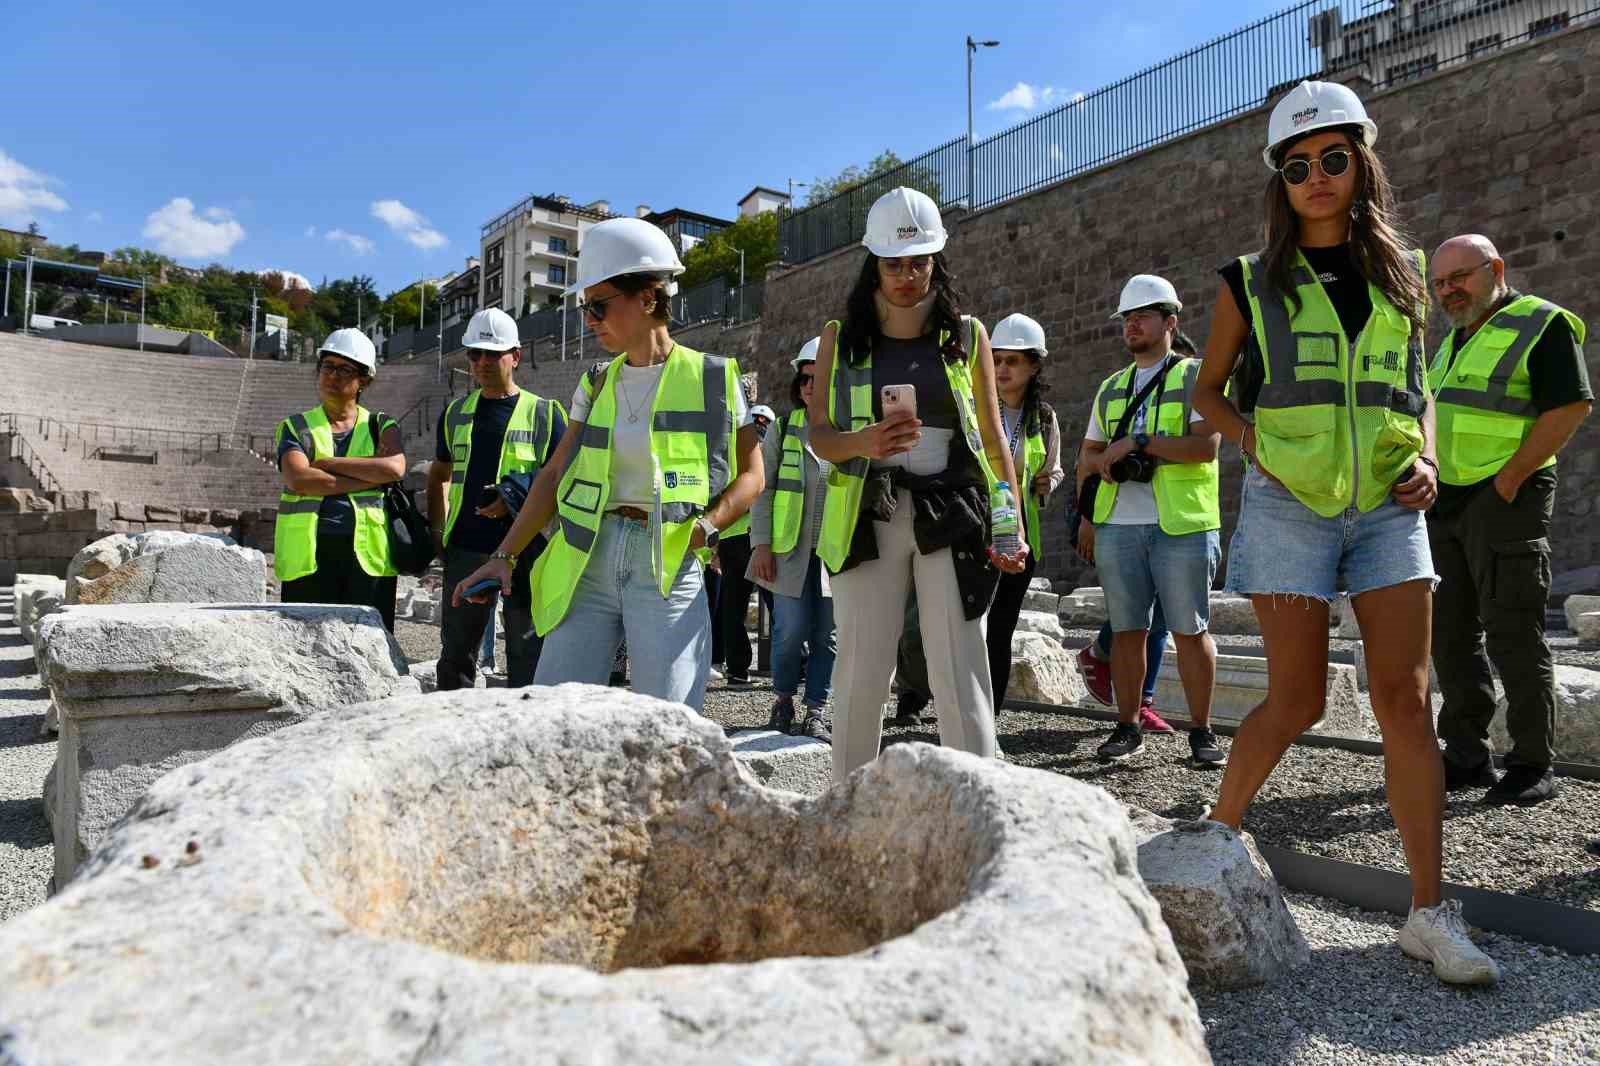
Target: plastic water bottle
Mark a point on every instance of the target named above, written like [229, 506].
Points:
[1003, 520]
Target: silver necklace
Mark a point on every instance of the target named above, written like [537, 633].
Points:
[635, 412]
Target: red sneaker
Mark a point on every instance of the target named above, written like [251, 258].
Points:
[1096, 675]
[1153, 722]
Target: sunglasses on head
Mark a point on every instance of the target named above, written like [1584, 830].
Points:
[1333, 162]
[596, 309]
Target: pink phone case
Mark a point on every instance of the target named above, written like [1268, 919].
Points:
[899, 398]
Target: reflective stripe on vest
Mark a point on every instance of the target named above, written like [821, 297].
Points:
[1186, 494]
[1032, 466]
[1338, 429]
[789, 497]
[1484, 395]
[848, 401]
[294, 534]
[524, 449]
[692, 447]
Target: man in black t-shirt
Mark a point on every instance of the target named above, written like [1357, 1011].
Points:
[1510, 388]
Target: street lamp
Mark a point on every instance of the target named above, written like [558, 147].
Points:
[793, 185]
[972, 49]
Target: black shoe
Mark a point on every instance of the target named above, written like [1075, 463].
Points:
[908, 709]
[737, 681]
[1204, 751]
[782, 717]
[1457, 777]
[1522, 785]
[1125, 740]
[816, 727]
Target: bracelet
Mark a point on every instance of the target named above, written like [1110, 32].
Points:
[509, 557]
[1430, 462]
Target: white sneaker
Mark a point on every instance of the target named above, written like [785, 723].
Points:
[714, 675]
[1439, 935]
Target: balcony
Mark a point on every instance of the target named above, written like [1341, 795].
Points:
[538, 250]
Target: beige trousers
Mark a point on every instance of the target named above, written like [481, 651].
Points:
[869, 604]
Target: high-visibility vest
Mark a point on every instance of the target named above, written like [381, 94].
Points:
[693, 447]
[524, 450]
[789, 497]
[1337, 427]
[1484, 396]
[1031, 466]
[1186, 493]
[848, 401]
[294, 536]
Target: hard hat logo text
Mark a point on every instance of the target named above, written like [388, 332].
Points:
[1300, 118]
[905, 233]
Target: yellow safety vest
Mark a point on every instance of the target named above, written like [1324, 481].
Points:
[525, 448]
[693, 444]
[1485, 395]
[1337, 427]
[848, 401]
[789, 499]
[1186, 493]
[294, 536]
[1032, 465]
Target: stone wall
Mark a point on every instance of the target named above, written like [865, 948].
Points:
[1494, 146]
[41, 532]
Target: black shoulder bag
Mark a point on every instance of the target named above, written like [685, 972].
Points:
[410, 536]
[1091, 484]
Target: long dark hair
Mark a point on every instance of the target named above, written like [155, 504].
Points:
[860, 328]
[1031, 396]
[1377, 239]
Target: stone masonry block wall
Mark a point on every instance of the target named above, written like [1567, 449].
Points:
[40, 533]
[1495, 146]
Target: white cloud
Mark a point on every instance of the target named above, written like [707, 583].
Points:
[179, 232]
[94, 217]
[1024, 97]
[1056, 154]
[24, 192]
[408, 224]
[311, 231]
[357, 243]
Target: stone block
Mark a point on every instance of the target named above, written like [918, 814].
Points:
[29, 589]
[1222, 906]
[1233, 615]
[1583, 579]
[1242, 683]
[1577, 716]
[1042, 671]
[52, 545]
[8, 571]
[198, 516]
[143, 688]
[1589, 627]
[130, 512]
[777, 760]
[1361, 671]
[1035, 600]
[1039, 584]
[223, 517]
[1039, 622]
[1345, 623]
[1083, 608]
[20, 501]
[565, 862]
[30, 522]
[1577, 606]
[158, 512]
[165, 567]
[84, 520]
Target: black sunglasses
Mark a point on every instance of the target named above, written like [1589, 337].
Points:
[807, 377]
[596, 309]
[1333, 162]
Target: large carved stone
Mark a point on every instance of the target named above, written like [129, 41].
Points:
[1577, 716]
[1233, 615]
[166, 567]
[582, 874]
[1082, 608]
[1042, 671]
[1242, 683]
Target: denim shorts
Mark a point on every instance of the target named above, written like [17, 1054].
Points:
[1283, 547]
[1136, 563]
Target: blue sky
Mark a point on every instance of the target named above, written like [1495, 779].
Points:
[361, 137]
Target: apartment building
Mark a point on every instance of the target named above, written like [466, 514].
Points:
[1412, 38]
[529, 252]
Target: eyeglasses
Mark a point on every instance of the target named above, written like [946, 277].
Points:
[1458, 278]
[596, 309]
[339, 371]
[474, 354]
[920, 264]
[1334, 161]
[806, 379]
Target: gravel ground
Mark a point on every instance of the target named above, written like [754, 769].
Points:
[26, 855]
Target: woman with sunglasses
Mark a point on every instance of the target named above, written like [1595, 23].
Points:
[785, 525]
[659, 457]
[1331, 315]
[907, 413]
[331, 541]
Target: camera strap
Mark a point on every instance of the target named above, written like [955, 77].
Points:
[1136, 402]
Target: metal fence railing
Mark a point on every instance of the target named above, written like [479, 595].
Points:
[1388, 43]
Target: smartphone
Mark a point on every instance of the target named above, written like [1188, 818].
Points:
[488, 584]
[899, 398]
[488, 496]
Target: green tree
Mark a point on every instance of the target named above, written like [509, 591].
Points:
[718, 255]
[134, 262]
[180, 306]
[826, 188]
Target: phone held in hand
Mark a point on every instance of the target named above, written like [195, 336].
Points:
[488, 584]
[898, 399]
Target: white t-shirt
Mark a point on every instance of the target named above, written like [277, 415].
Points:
[632, 470]
[1136, 501]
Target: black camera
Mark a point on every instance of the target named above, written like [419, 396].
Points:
[1135, 466]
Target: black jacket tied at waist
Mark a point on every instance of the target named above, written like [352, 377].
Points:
[948, 510]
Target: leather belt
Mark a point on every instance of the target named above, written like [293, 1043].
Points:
[637, 514]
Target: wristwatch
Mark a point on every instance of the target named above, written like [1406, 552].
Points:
[1141, 441]
[713, 534]
[509, 557]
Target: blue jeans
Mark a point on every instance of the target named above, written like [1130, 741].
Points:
[486, 649]
[797, 621]
[1139, 564]
[669, 640]
[1155, 647]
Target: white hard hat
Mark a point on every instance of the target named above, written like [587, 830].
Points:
[492, 330]
[621, 246]
[1147, 290]
[808, 352]
[350, 343]
[761, 410]
[904, 222]
[1315, 105]
[1018, 332]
